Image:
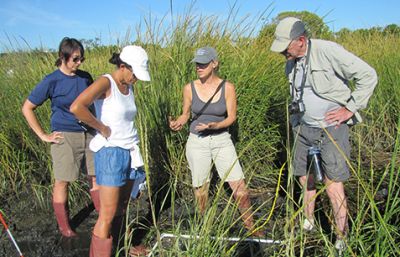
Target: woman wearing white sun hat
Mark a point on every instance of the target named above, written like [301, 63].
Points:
[116, 148]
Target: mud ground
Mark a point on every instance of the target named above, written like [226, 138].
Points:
[35, 229]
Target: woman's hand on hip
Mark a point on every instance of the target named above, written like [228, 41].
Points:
[53, 137]
[105, 131]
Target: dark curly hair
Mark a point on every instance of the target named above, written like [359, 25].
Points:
[115, 59]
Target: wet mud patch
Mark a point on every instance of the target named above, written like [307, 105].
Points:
[35, 229]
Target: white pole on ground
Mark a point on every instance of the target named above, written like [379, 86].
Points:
[234, 239]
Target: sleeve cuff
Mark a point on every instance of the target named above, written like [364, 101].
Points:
[351, 106]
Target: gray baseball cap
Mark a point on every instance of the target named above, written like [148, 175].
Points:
[205, 55]
[287, 29]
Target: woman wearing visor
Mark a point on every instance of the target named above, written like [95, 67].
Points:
[212, 103]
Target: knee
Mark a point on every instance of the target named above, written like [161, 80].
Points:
[107, 214]
[60, 185]
[336, 196]
[239, 189]
[303, 180]
[105, 217]
[200, 193]
[242, 199]
[241, 193]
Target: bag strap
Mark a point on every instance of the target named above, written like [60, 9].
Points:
[208, 102]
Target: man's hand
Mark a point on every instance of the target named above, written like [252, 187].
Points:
[338, 116]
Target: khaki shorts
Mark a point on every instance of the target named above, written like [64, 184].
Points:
[202, 152]
[334, 163]
[72, 155]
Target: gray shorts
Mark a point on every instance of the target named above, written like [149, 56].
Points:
[333, 153]
[72, 155]
[201, 152]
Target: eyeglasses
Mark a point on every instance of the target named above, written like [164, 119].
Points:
[131, 70]
[78, 58]
[284, 52]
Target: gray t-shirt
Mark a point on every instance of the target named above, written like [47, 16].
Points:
[315, 106]
[215, 112]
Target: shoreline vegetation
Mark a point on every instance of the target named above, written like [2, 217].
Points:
[261, 133]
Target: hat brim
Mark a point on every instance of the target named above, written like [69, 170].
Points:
[201, 59]
[141, 74]
[280, 45]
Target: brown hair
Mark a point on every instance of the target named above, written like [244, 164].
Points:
[66, 48]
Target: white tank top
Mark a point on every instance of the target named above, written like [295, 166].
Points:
[118, 112]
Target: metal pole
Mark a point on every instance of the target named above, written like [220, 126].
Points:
[10, 235]
[234, 239]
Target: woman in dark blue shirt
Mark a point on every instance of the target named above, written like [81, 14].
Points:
[69, 139]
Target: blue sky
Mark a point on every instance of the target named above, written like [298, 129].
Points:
[44, 22]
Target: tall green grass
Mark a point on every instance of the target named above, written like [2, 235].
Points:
[261, 135]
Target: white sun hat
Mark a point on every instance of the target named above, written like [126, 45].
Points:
[137, 58]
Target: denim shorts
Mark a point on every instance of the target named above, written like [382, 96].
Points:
[334, 154]
[112, 166]
[139, 176]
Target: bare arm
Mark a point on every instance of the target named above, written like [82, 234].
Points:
[28, 110]
[231, 108]
[80, 107]
[177, 124]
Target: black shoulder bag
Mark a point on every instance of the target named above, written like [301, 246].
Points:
[208, 102]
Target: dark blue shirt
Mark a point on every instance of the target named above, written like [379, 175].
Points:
[62, 90]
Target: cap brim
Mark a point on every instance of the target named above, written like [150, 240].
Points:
[280, 45]
[141, 74]
[201, 59]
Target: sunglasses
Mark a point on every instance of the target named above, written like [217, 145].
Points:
[202, 65]
[131, 70]
[78, 58]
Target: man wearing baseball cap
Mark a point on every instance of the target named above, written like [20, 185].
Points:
[322, 108]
